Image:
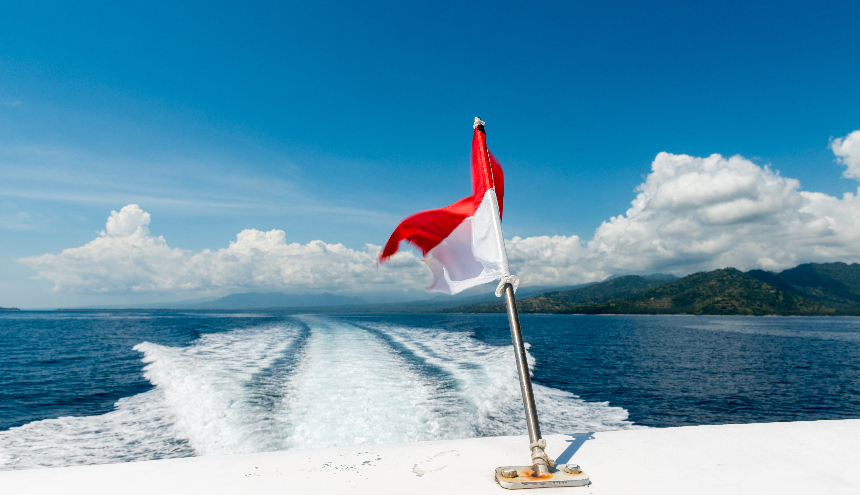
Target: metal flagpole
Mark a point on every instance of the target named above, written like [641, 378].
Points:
[542, 473]
[537, 446]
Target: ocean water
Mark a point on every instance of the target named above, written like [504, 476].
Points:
[97, 387]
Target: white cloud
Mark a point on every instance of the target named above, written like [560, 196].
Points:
[695, 214]
[129, 221]
[544, 260]
[691, 214]
[126, 257]
[847, 151]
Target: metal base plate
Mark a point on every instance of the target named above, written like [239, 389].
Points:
[525, 478]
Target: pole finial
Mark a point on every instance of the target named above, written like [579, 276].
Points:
[478, 122]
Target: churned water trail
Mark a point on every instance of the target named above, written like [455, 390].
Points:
[350, 387]
[201, 404]
[302, 382]
[208, 387]
[484, 379]
[140, 427]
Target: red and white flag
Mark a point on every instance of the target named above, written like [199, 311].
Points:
[462, 243]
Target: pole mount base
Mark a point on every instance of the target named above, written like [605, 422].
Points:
[523, 477]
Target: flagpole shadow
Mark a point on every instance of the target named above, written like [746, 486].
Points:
[576, 441]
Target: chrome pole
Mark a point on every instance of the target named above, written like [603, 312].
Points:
[537, 445]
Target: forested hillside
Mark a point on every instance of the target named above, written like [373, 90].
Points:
[809, 289]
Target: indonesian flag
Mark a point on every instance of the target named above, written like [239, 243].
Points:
[462, 243]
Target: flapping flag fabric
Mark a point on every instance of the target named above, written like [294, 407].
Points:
[462, 243]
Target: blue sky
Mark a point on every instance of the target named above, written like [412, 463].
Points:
[333, 121]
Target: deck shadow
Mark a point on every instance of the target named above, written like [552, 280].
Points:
[576, 441]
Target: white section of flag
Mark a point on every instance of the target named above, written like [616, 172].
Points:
[474, 252]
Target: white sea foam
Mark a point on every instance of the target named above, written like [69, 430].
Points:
[208, 388]
[316, 382]
[201, 404]
[139, 428]
[485, 378]
[350, 388]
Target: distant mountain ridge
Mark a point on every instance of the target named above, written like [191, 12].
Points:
[323, 303]
[559, 301]
[327, 302]
[720, 292]
[810, 289]
[836, 285]
[613, 288]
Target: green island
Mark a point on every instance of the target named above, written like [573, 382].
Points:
[812, 289]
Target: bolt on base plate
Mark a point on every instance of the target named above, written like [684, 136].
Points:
[521, 477]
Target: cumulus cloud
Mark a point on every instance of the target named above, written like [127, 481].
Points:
[690, 214]
[556, 260]
[126, 257]
[847, 151]
[129, 221]
[694, 214]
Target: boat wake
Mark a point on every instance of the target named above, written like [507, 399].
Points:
[312, 381]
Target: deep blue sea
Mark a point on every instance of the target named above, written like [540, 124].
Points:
[94, 387]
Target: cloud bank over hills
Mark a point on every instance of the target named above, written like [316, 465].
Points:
[691, 214]
[127, 257]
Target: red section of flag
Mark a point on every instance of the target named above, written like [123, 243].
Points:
[499, 181]
[482, 176]
[485, 170]
[427, 229]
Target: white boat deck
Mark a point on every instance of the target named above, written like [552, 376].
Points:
[821, 457]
